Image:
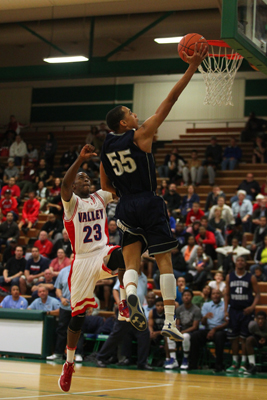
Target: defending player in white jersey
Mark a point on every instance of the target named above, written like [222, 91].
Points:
[86, 222]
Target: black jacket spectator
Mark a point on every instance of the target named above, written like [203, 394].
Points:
[55, 226]
[9, 252]
[9, 230]
[257, 213]
[172, 198]
[14, 265]
[61, 244]
[68, 158]
[213, 153]
[212, 199]
[259, 235]
[251, 186]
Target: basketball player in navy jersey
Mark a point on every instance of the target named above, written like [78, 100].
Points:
[128, 170]
[240, 285]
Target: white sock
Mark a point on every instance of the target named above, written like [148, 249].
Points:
[70, 354]
[168, 291]
[251, 359]
[235, 359]
[122, 293]
[130, 277]
[169, 313]
[244, 359]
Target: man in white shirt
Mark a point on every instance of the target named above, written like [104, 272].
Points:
[18, 150]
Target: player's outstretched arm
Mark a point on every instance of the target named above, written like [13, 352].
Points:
[66, 187]
[105, 181]
[151, 124]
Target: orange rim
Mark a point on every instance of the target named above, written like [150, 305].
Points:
[221, 43]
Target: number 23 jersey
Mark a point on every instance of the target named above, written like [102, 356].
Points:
[86, 221]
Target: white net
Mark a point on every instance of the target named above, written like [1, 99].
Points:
[219, 72]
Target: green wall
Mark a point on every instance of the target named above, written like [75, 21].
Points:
[256, 97]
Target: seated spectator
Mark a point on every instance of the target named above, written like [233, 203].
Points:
[250, 186]
[213, 319]
[207, 240]
[172, 221]
[242, 211]
[53, 227]
[42, 194]
[259, 151]
[213, 197]
[173, 199]
[189, 251]
[227, 255]
[151, 300]
[47, 281]
[203, 297]
[259, 234]
[100, 135]
[258, 339]
[195, 228]
[181, 235]
[260, 211]
[87, 169]
[188, 317]
[258, 272]
[194, 214]
[231, 156]
[188, 200]
[18, 150]
[49, 150]
[113, 232]
[54, 204]
[180, 287]
[218, 282]
[9, 252]
[35, 268]
[218, 224]
[43, 244]
[9, 230]
[64, 244]
[192, 167]
[213, 158]
[14, 300]
[68, 159]
[45, 303]
[235, 232]
[10, 171]
[163, 189]
[60, 262]
[261, 258]
[27, 182]
[14, 269]
[264, 188]
[32, 153]
[30, 213]
[155, 324]
[9, 204]
[253, 127]
[43, 173]
[258, 202]
[15, 190]
[163, 170]
[199, 269]
[227, 213]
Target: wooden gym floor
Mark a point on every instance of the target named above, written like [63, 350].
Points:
[36, 380]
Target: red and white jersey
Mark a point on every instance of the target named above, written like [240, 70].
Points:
[86, 221]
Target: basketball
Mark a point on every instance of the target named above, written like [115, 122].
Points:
[187, 44]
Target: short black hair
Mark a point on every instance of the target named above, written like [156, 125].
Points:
[261, 314]
[189, 291]
[158, 299]
[114, 117]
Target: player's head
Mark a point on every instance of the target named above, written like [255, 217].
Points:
[81, 185]
[121, 119]
[159, 305]
[240, 263]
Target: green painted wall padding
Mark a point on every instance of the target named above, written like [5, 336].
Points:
[258, 106]
[256, 87]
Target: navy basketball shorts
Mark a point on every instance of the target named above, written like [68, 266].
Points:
[143, 217]
[238, 324]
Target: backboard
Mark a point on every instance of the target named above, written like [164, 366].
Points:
[244, 28]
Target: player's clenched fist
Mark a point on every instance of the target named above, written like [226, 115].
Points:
[87, 152]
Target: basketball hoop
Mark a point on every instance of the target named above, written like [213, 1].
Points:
[219, 70]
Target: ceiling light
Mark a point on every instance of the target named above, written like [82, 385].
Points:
[67, 59]
[176, 39]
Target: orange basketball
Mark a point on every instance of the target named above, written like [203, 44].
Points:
[187, 44]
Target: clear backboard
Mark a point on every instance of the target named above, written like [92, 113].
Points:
[244, 28]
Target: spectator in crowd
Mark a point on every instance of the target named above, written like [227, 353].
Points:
[253, 127]
[240, 286]
[204, 221]
[258, 272]
[155, 324]
[15, 190]
[258, 202]
[43, 244]
[194, 214]
[213, 196]
[219, 226]
[100, 135]
[227, 255]
[42, 194]
[206, 239]
[14, 269]
[63, 293]
[9, 230]
[192, 167]
[47, 281]
[213, 158]
[242, 211]
[9, 204]
[213, 319]
[181, 235]
[261, 258]
[54, 203]
[10, 171]
[188, 317]
[163, 170]
[53, 227]
[114, 235]
[173, 199]
[199, 269]
[180, 287]
[30, 212]
[32, 153]
[27, 183]
[18, 150]
[259, 212]
[163, 189]
[9, 252]
[172, 221]
[43, 173]
[15, 126]
[60, 262]
[231, 156]
[189, 251]
[63, 243]
[195, 228]
[14, 300]
[250, 186]
[49, 149]
[188, 200]
[259, 151]
[35, 267]
[227, 213]
[45, 303]
[258, 338]
[68, 159]
[203, 297]
[151, 299]
[218, 283]
[264, 188]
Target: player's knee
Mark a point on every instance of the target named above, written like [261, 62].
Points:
[76, 322]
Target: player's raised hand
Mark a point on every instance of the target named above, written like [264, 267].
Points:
[87, 152]
[198, 56]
